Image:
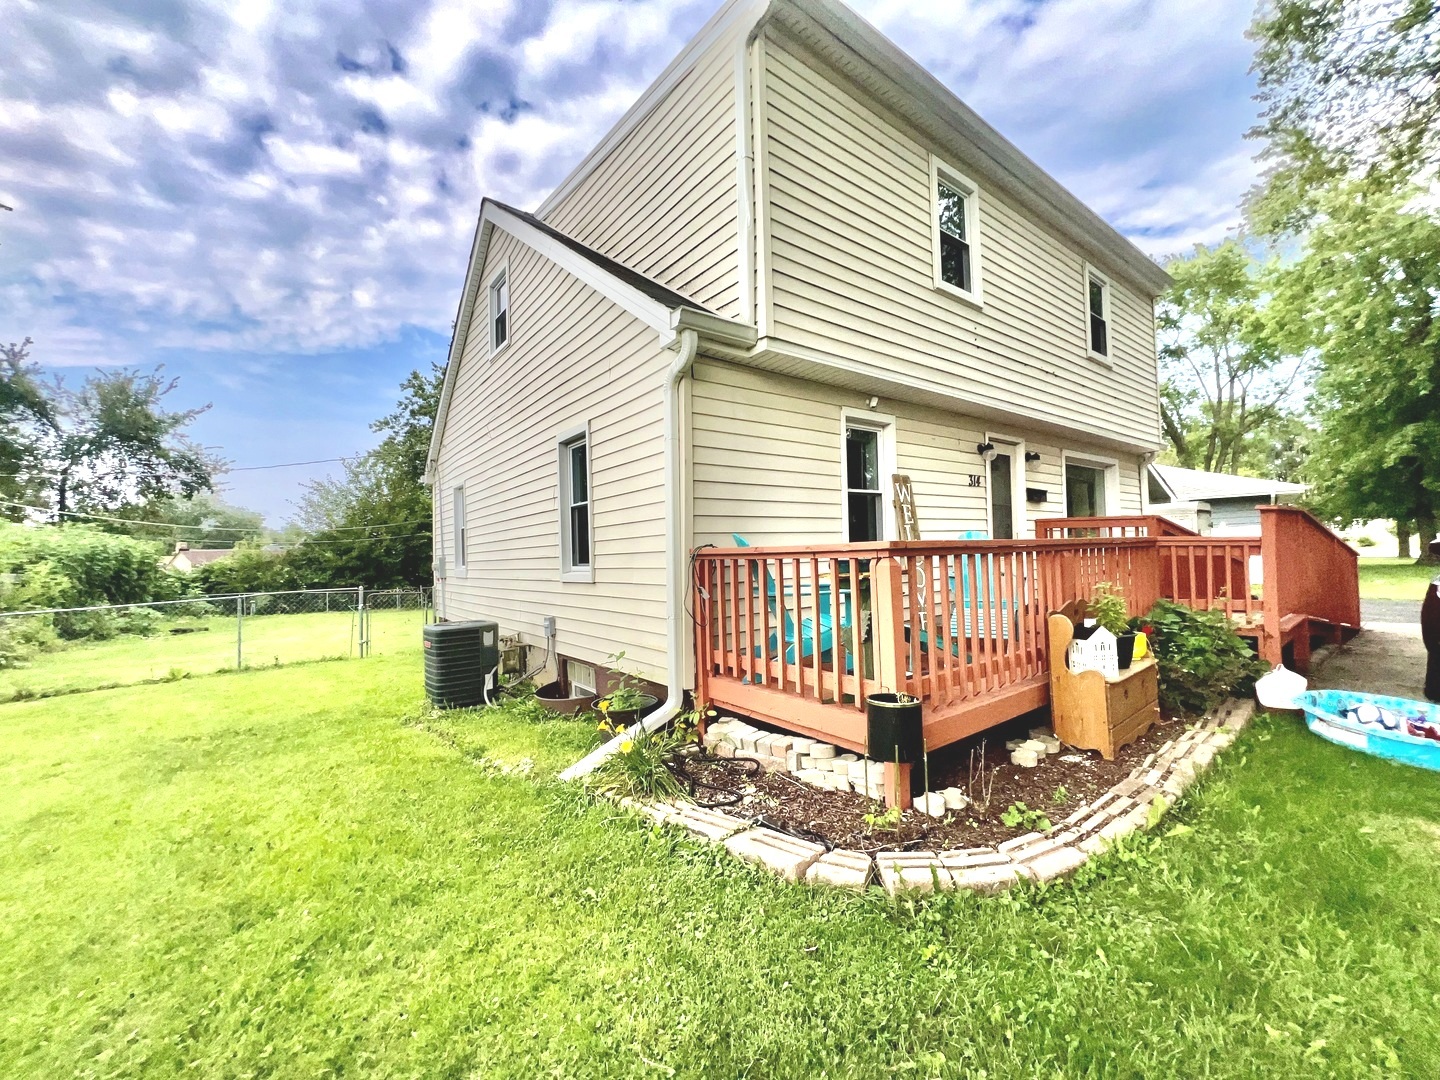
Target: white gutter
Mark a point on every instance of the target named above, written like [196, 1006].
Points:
[677, 566]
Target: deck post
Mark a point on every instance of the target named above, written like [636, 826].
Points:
[1272, 642]
[890, 666]
[897, 786]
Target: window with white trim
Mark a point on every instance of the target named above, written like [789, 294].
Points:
[865, 456]
[956, 232]
[1097, 310]
[500, 311]
[575, 533]
[457, 508]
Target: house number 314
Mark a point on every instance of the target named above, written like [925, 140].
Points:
[976, 480]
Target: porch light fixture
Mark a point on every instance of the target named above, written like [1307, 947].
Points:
[1032, 455]
[987, 451]
[874, 403]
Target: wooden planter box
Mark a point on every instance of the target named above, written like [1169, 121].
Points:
[1093, 712]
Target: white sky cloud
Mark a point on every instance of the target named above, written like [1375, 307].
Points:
[297, 178]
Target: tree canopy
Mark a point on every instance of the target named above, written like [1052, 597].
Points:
[1229, 387]
[1365, 295]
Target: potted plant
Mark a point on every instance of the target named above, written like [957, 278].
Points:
[625, 702]
[1109, 610]
[557, 700]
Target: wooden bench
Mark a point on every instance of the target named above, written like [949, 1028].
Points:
[1091, 711]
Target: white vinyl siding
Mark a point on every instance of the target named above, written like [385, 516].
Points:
[581, 359]
[664, 201]
[850, 220]
[768, 459]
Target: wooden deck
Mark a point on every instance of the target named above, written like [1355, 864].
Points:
[799, 637]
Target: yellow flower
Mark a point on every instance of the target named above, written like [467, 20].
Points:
[627, 746]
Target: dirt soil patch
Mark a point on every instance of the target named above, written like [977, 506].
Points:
[1060, 784]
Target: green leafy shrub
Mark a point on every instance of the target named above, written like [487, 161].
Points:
[79, 565]
[142, 622]
[1202, 659]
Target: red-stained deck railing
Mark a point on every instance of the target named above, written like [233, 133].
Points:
[802, 636]
[1134, 525]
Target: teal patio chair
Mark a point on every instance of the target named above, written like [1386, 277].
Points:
[805, 638]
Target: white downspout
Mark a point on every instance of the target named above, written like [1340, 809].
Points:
[677, 566]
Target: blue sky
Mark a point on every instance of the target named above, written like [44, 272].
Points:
[276, 200]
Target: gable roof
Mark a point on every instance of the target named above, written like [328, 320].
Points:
[848, 41]
[658, 306]
[1193, 485]
[198, 556]
[661, 294]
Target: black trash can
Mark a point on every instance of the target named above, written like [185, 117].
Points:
[1430, 632]
[896, 728]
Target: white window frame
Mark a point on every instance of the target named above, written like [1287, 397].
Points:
[952, 177]
[884, 425]
[459, 530]
[1015, 447]
[569, 571]
[1108, 357]
[501, 277]
[1108, 465]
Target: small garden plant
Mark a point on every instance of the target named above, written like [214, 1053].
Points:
[1202, 659]
[625, 695]
[641, 766]
[1108, 608]
[1019, 816]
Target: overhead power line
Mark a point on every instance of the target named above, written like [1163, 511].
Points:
[203, 528]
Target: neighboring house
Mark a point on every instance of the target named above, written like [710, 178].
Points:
[797, 266]
[1217, 503]
[185, 558]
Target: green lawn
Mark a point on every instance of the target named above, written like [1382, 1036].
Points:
[1395, 579]
[276, 873]
[267, 640]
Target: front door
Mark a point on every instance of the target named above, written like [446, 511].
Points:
[1002, 495]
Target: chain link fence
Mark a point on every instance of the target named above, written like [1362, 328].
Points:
[65, 650]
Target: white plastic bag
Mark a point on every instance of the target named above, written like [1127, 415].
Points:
[1280, 688]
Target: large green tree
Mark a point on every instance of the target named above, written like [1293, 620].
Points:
[1350, 89]
[372, 526]
[1228, 385]
[23, 404]
[113, 444]
[1365, 295]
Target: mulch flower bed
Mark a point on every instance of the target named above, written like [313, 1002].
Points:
[1060, 784]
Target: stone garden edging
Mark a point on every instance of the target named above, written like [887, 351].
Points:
[1135, 803]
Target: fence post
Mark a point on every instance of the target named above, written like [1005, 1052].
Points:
[364, 632]
[239, 632]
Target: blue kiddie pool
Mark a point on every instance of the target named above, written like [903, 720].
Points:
[1397, 729]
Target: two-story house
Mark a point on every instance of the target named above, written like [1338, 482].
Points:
[797, 268]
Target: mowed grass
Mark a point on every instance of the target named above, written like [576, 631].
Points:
[1395, 579]
[293, 872]
[208, 647]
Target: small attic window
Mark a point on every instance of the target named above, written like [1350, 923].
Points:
[499, 311]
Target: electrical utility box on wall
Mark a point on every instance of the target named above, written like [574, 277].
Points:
[462, 662]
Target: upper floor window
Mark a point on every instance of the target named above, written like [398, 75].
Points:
[1097, 300]
[575, 549]
[499, 311]
[956, 232]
